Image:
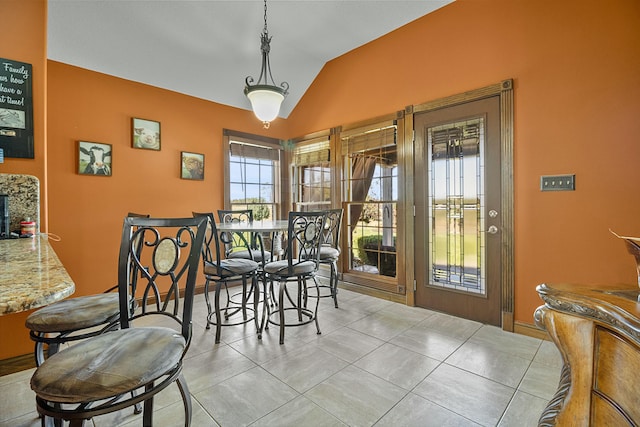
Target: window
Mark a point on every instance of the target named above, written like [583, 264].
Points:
[371, 183]
[312, 175]
[253, 177]
[314, 187]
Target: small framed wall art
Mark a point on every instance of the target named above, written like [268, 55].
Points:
[94, 158]
[192, 166]
[145, 134]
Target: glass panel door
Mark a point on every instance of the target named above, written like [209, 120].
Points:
[456, 205]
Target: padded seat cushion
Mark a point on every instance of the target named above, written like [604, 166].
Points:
[244, 254]
[108, 365]
[328, 253]
[279, 268]
[231, 267]
[75, 313]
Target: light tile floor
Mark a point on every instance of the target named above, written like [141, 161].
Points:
[376, 363]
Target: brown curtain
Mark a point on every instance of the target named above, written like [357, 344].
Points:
[361, 176]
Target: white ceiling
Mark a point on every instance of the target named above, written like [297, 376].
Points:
[206, 48]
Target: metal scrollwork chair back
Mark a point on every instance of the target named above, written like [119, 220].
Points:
[145, 355]
[242, 245]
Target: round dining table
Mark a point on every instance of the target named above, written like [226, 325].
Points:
[272, 227]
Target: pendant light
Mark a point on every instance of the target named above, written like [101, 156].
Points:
[265, 95]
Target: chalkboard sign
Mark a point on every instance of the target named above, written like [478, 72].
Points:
[16, 109]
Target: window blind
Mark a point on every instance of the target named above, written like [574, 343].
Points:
[368, 139]
[312, 152]
[239, 149]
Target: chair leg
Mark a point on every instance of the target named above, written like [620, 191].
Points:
[244, 297]
[315, 312]
[147, 416]
[208, 301]
[46, 421]
[334, 283]
[273, 300]
[52, 349]
[186, 399]
[256, 301]
[38, 352]
[266, 308]
[281, 310]
[300, 299]
[305, 294]
[217, 307]
[137, 408]
[228, 303]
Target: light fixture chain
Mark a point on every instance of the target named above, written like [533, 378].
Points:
[265, 17]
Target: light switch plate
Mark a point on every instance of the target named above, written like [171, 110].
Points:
[557, 183]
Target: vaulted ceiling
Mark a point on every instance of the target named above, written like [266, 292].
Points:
[206, 48]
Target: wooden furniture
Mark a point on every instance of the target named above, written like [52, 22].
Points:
[31, 275]
[597, 330]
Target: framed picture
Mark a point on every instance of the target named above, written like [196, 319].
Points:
[94, 158]
[191, 165]
[145, 134]
[16, 109]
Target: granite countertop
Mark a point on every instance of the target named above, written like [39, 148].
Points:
[31, 275]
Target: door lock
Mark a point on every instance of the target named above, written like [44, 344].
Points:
[492, 229]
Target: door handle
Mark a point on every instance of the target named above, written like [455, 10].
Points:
[492, 229]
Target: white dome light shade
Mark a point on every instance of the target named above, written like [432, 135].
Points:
[265, 103]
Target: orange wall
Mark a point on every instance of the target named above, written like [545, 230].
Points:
[576, 70]
[86, 212]
[576, 67]
[24, 33]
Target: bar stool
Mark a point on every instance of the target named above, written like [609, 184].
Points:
[304, 237]
[76, 319]
[92, 377]
[238, 242]
[330, 252]
[221, 271]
